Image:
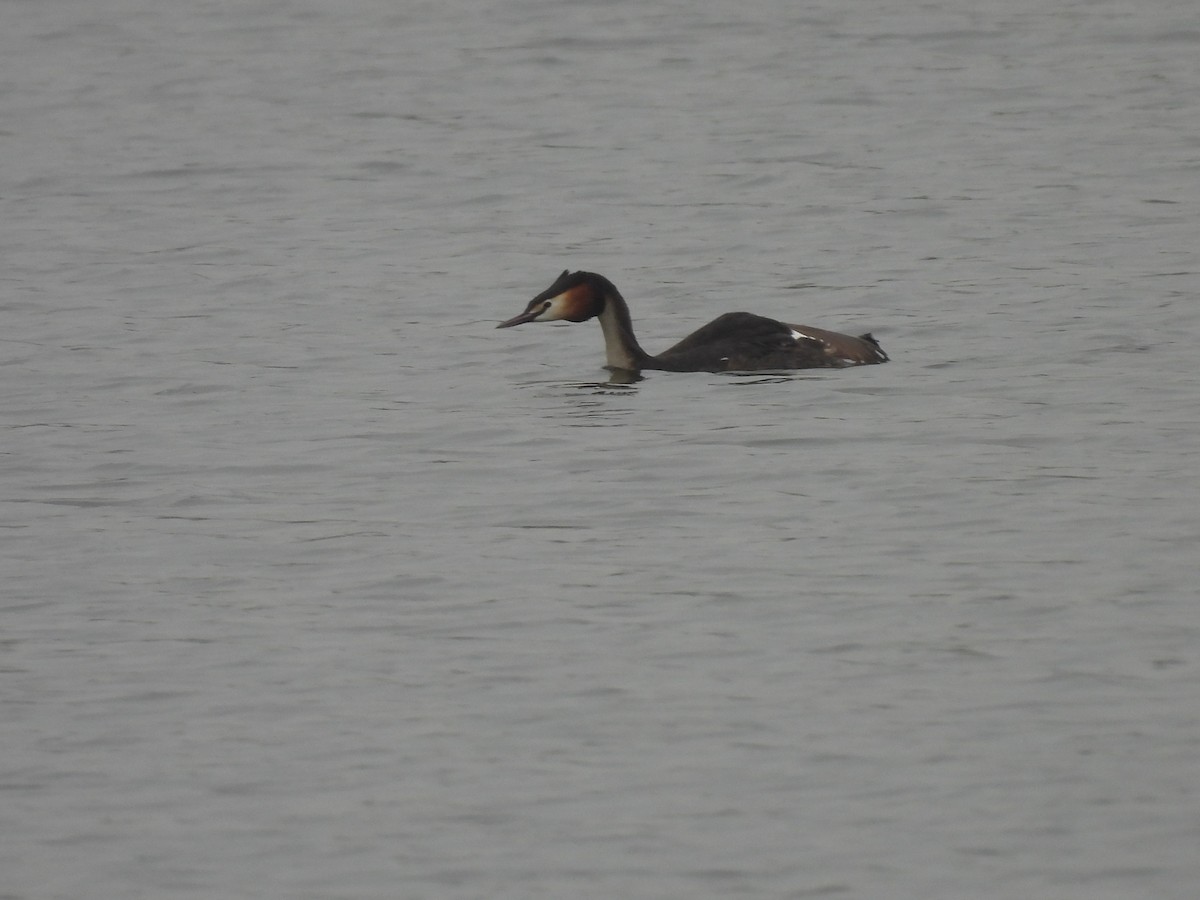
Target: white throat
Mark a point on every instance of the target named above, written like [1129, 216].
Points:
[617, 350]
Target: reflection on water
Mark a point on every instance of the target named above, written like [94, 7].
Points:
[750, 379]
[621, 376]
[584, 403]
[590, 403]
[607, 387]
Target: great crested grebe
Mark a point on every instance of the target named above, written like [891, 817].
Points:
[739, 342]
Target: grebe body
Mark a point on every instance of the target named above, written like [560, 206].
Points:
[734, 342]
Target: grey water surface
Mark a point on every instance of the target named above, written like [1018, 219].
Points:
[315, 585]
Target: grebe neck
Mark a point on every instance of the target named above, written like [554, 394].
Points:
[621, 348]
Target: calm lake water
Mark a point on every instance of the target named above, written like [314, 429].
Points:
[315, 585]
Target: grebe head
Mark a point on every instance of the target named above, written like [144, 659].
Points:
[573, 296]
